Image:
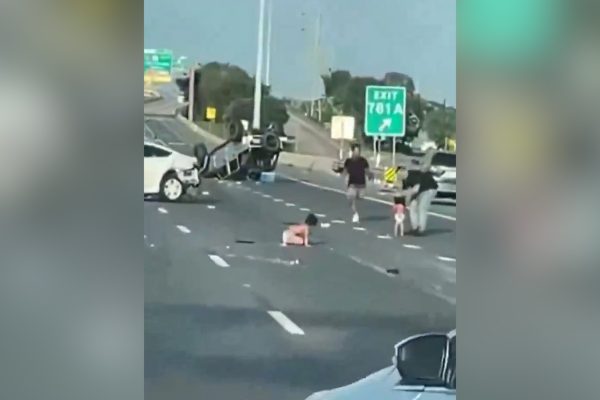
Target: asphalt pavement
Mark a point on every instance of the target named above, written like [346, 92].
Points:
[230, 313]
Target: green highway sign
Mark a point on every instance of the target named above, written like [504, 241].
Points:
[384, 110]
[158, 60]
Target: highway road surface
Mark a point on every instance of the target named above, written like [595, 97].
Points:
[231, 314]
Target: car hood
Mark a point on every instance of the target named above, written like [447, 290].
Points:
[181, 161]
[380, 385]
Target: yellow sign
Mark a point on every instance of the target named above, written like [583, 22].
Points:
[389, 175]
[211, 113]
[156, 77]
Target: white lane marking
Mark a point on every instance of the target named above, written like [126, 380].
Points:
[286, 323]
[267, 196]
[449, 259]
[278, 200]
[290, 205]
[183, 229]
[218, 260]
[238, 183]
[305, 209]
[412, 246]
[162, 210]
[359, 228]
[145, 237]
[384, 237]
[247, 285]
[205, 193]
[321, 215]
[151, 245]
[376, 200]
[338, 221]
[220, 182]
[210, 207]
[325, 225]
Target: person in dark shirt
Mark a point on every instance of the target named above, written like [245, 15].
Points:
[357, 170]
[424, 189]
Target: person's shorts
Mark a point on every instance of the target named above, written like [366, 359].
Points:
[355, 191]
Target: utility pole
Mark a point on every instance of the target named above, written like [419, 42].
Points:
[191, 94]
[258, 72]
[317, 58]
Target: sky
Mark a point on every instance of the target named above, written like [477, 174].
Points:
[365, 37]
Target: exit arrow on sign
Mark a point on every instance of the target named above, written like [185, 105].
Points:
[385, 124]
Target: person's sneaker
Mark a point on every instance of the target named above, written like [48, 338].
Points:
[355, 218]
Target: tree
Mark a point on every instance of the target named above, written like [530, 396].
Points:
[441, 124]
[272, 111]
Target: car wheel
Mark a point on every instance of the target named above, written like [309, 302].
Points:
[271, 142]
[171, 188]
[235, 130]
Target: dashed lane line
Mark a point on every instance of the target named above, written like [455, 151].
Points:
[211, 207]
[218, 261]
[412, 246]
[321, 215]
[305, 209]
[205, 193]
[278, 200]
[359, 228]
[183, 229]
[162, 210]
[290, 205]
[286, 323]
[374, 199]
[384, 237]
[449, 259]
[338, 221]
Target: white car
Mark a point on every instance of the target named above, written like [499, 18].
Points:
[167, 172]
[443, 167]
[424, 368]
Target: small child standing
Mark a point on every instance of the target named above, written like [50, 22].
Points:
[298, 234]
[398, 210]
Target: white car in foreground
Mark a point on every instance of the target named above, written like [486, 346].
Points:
[424, 368]
[167, 172]
[443, 167]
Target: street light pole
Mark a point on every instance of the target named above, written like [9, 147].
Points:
[269, 27]
[258, 73]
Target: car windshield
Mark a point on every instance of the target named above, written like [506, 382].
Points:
[444, 160]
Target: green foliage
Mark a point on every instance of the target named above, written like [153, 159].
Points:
[220, 85]
[346, 95]
[272, 111]
[441, 124]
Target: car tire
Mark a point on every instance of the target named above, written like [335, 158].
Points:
[171, 188]
[271, 142]
[235, 130]
[200, 152]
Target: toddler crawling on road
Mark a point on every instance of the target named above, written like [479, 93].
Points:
[298, 234]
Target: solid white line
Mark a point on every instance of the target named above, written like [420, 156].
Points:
[290, 205]
[376, 200]
[183, 229]
[286, 323]
[305, 209]
[218, 260]
[210, 207]
[412, 246]
[450, 259]
[162, 210]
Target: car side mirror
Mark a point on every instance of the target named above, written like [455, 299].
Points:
[420, 359]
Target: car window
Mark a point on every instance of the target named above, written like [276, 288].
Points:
[444, 160]
[151, 151]
[451, 371]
